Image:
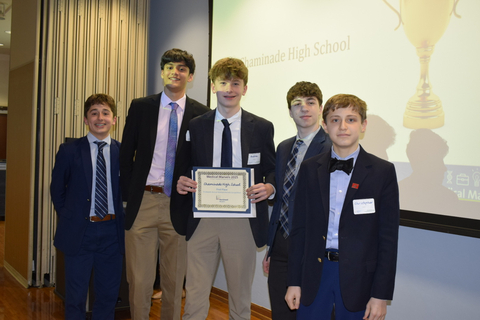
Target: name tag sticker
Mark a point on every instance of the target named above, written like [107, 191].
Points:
[187, 135]
[253, 158]
[364, 206]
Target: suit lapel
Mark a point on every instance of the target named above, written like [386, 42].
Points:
[359, 174]
[208, 124]
[187, 116]
[285, 156]
[114, 166]
[87, 162]
[154, 109]
[317, 144]
[247, 128]
[323, 178]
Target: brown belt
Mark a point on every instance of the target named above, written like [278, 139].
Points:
[154, 189]
[98, 219]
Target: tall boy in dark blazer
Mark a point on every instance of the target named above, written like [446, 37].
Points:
[304, 102]
[85, 191]
[343, 244]
[235, 239]
[152, 156]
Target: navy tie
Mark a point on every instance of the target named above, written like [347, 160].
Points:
[101, 194]
[171, 150]
[288, 182]
[226, 145]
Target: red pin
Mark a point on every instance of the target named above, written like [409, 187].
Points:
[355, 185]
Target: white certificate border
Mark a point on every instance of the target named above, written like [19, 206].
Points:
[220, 214]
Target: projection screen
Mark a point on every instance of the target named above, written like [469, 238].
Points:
[415, 63]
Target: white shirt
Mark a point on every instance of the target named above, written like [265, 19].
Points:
[235, 127]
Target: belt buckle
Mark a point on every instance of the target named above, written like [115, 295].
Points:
[332, 256]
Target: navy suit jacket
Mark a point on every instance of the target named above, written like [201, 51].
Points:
[320, 143]
[71, 191]
[256, 137]
[367, 242]
[136, 154]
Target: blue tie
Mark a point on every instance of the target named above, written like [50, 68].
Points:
[171, 150]
[101, 198]
[288, 182]
[226, 145]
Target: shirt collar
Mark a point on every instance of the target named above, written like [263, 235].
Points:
[354, 155]
[165, 101]
[308, 138]
[91, 138]
[235, 117]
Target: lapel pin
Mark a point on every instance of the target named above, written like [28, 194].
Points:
[355, 185]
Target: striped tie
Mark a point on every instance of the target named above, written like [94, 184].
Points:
[171, 150]
[101, 200]
[287, 186]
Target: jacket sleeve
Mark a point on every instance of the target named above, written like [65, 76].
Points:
[384, 278]
[128, 149]
[60, 177]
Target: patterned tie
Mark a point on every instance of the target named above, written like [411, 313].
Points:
[287, 187]
[226, 145]
[101, 199]
[171, 150]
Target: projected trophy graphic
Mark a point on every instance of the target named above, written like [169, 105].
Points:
[424, 23]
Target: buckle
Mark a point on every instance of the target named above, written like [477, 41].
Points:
[332, 256]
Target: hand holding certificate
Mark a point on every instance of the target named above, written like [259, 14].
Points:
[221, 193]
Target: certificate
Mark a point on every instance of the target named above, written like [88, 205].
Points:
[221, 193]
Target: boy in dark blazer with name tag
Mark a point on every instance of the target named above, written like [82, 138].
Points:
[235, 239]
[85, 191]
[343, 248]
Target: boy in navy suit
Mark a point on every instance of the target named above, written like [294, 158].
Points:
[85, 191]
[343, 243]
[235, 239]
[304, 101]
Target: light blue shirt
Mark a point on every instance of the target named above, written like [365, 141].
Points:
[106, 153]
[339, 182]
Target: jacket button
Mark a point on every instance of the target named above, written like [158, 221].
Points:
[323, 237]
[320, 260]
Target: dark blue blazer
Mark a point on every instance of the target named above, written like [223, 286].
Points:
[320, 143]
[71, 190]
[367, 242]
[256, 137]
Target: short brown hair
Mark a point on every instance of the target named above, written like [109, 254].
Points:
[345, 101]
[229, 68]
[304, 89]
[100, 98]
[178, 55]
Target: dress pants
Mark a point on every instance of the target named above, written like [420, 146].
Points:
[328, 296]
[232, 239]
[277, 279]
[153, 231]
[99, 252]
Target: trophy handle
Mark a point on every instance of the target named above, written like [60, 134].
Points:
[454, 10]
[398, 13]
